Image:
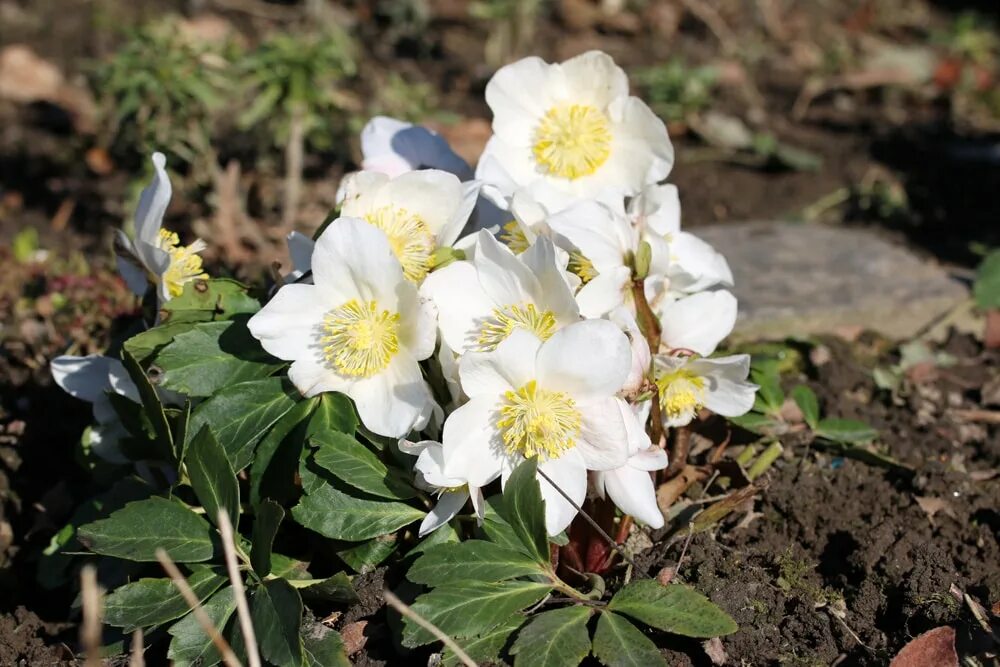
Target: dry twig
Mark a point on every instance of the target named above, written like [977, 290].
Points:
[242, 608]
[93, 611]
[408, 612]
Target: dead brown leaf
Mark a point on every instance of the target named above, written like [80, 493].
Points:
[932, 506]
[354, 636]
[934, 648]
[715, 652]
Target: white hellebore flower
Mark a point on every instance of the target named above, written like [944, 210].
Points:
[697, 323]
[554, 400]
[360, 329]
[90, 379]
[452, 492]
[481, 302]
[687, 384]
[574, 125]
[419, 211]
[394, 147]
[631, 487]
[156, 253]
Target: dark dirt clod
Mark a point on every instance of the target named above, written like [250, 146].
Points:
[23, 643]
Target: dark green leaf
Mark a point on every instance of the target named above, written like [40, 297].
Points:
[276, 462]
[805, 398]
[152, 406]
[334, 413]
[242, 413]
[524, 509]
[337, 588]
[265, 527]
[212, 478]
[143, 346]
[618, 643]
[496, 528]
[190, 646]
[355, 464]
[149, 602]
[558, 637]
[770, 394]
[472, 559]
[209, 301]
[986, 288]
[276, 611]
[323, 647]
[211, 356]
[138, 529]
[470, 608]
[365, 556]
[328, 509]
[446, 534]
[674, 608]
[486, 647]
[846, 430]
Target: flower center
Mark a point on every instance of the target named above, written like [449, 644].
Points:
[359, 339]
[534, 421]
[581, 266]
[504, 320]
[682, 393]
[185, 264]
[572, 141]
[514, 237]
[410, 238]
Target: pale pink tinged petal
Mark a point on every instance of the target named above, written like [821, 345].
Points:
[604, 293]
[603, 441]
[633, 492]
[569, 474]
[448, 505]
[311, 376]
[153, 202]
[508, 367]
[390, 402]
[504, 278]
[461, 303]
[289, 325]
[593, 78]
[472, 447]
[698, 322]
[589, 360]
[85, 378]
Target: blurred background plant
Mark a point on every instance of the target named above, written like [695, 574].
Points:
[511, 26]
[676, 90]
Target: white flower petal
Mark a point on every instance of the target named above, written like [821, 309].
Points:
[650, 459]
[657, 207]
[633, 492]
[727, 391]
[395, 147]
[300, 249]
[504, 278]
[698, 322]
[85, 378]
[540, 258]
[391, 401]
[311, 376]
[517, 95]
[153, 202]
[288, 326]
[569, 474]
[604, 293]
[588, 360]
[697, 265]
[472, 447]
[603, 441]
[508, 367]
[461, 303]
[354, 259]
[448, 505]
[594, 79]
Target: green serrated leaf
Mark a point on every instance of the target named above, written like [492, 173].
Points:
[190, 646]
[276, 611]
[365, 556]
[241, 414]
[323, 647]
[212, 478]
[446, 534]
[770, 394]
[209, 301]
[555, 638]
[496, 528]
[986, 287]
[149, 602]
[211, 356]
[470, 608]
[143, 346]
[486, 647]
[524, 509]
[473, 560]
[265, 527]
[353, 463]
[674, 608]
[805, 398]
[337, 588]
[845, 430]
[276, 462]
[618, 643]
[153, 408]
[334, 413]
[330, 510]
[138, 529]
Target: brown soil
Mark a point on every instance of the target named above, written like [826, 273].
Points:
[25, 641]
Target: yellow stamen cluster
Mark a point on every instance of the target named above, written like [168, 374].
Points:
[185, 264]
[581, 266]
[535, 421]
[514, 237]
[410, 238]
[358, 339]
[572, 141]
[504, 320]
[682, 394]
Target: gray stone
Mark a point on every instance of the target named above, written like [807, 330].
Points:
[800, 279]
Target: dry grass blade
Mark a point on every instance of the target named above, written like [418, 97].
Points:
[93, 611]
[137, 657]
[228, 657]
[242, 608]
[407, 612]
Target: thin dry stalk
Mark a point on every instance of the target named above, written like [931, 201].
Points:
[406, 611]
[137, 658]
[242, 608]
[93, 611]
[228, 657]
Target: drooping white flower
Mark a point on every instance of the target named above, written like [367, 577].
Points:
[687, 384]
[394, 147]
[480, 302]
[452, 492]
[360, 329]
[631, 487]
[90, 379]
[156, 254]
[419, 212]
[554, 400]
[574, 125]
